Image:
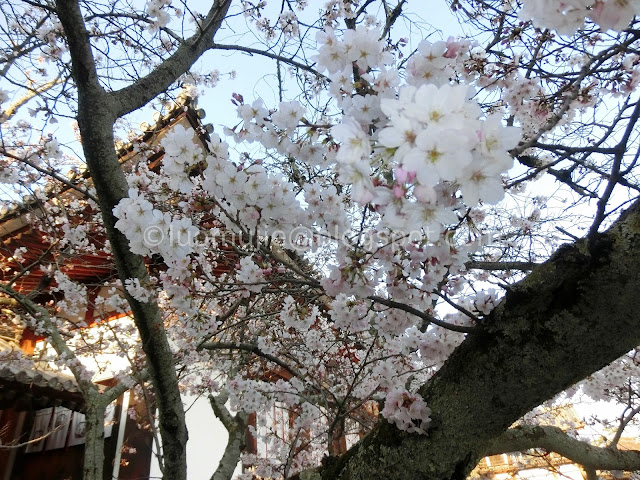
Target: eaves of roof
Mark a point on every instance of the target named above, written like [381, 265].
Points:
[26, 389]
[184, 107]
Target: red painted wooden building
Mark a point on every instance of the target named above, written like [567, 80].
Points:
[41, 419]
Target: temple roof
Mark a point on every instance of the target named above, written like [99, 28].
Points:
[17, 231]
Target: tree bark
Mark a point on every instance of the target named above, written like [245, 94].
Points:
[570, 317]
[553, 439]
[94, 441]
[96, 117]
[236, 427]
[97, 113]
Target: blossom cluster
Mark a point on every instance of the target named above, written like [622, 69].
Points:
[568, 16]
[181, 154]
[156, 10]
[429, 132]
[411, 155]
[360, 46]
[441, 62]
[151, 231]
[74, 303]
[437, 136]
[408, 411]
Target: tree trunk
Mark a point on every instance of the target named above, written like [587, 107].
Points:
[570, 317]
[94, 442]
[96, 119]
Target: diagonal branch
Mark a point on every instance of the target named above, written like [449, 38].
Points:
[249, 347]
[32, 92]
[41, 315]
[419, 313]
[158, 81]
[51, 173]
[274, 56]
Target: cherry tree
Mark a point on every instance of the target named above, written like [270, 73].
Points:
[426, 241]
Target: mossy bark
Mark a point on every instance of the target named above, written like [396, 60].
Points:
[570, 317]
[94, 442]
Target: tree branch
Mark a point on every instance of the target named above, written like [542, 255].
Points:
[571, 316]
[50, 173]
[8, 113]
[236, 426]
[625, 418]
[96, 116]
[249, 347]
[423, 315]
[553, 439]
[150, 86]
[500, 266]
[274, 56]
[41, 315]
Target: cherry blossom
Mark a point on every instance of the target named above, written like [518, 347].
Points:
[407, 410]
[329, 240]
[568, 16]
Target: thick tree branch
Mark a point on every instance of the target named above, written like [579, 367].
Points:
[158, 81]
[553, 439]
[568, 318]
[119, 388]
[236, 427]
